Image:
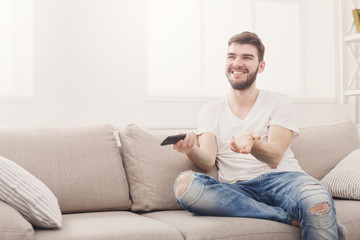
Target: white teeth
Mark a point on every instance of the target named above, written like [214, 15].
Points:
[236, 72]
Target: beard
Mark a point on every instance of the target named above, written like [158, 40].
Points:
[243, 85]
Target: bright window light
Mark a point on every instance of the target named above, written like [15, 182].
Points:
[187, 44]
[16, 47]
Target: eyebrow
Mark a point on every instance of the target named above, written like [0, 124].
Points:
[248, 55]
[243, 55]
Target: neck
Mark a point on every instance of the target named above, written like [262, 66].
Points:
[243, 97]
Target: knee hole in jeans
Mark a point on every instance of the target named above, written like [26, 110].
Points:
[183, 183]
[320, 209]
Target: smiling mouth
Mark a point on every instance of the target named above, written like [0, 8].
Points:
[238, 71]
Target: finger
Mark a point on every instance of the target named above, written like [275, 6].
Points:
[177, 146]
[256, 136]
[235, 147]
[236, 150]
[233, 141]
[192, 140]
[186, 140]
[246, 149]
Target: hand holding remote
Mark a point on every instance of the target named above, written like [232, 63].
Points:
[173, 139]
[186, 145]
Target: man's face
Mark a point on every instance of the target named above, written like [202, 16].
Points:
[242, 65]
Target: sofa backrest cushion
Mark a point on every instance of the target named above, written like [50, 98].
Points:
[82, 166]
[152, 169]
[320, 148]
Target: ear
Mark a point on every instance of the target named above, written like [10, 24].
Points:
[261, 67]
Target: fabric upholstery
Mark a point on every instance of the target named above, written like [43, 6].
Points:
[13, 226]
[27, 194]
[110, 226]
[231, 228]
[203, 227]
[152, 169]
[348, 214]
[319, 149]
[344, 180]
[80, 165]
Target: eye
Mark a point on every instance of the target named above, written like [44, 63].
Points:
[248, 57]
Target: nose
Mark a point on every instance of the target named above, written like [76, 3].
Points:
[238, 62]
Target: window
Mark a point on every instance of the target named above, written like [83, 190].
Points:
[187, 44]
[16, 47]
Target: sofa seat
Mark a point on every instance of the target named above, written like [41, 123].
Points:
[348, 213]
[194, 227]
[110, 225]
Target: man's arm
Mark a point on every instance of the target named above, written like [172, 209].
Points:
[270, 152]
[204, 155]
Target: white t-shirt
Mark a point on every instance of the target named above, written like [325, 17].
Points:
[269, 109]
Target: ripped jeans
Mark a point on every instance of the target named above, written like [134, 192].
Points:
[280, 196]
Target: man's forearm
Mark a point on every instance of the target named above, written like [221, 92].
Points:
[201, 149]
[203, 159]
[268, 153]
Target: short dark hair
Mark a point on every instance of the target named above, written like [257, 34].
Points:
[249, 38]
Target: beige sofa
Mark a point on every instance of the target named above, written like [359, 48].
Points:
[106, 192]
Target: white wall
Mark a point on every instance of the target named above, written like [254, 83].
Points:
[90, 67]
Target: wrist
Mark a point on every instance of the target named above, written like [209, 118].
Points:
[190, 151]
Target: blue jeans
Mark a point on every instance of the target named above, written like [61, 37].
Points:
[280, 196]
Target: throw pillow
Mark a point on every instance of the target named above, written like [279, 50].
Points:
[27, 194]
[152, 169]
[344, 180]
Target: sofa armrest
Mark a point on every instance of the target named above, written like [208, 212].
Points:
[12, 225]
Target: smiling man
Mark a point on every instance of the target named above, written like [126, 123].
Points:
[239, 60]
[247, 135]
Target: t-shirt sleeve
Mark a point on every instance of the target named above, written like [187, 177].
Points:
[205, 123]
[284, 115]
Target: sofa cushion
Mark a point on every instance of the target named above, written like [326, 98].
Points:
[231, 228]
[80, 165]
[204, 227]
[344, 180]
[319, 149]
[152, 169]
[13, 226]
[348, 214]
[110, 226]
[27, 194]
